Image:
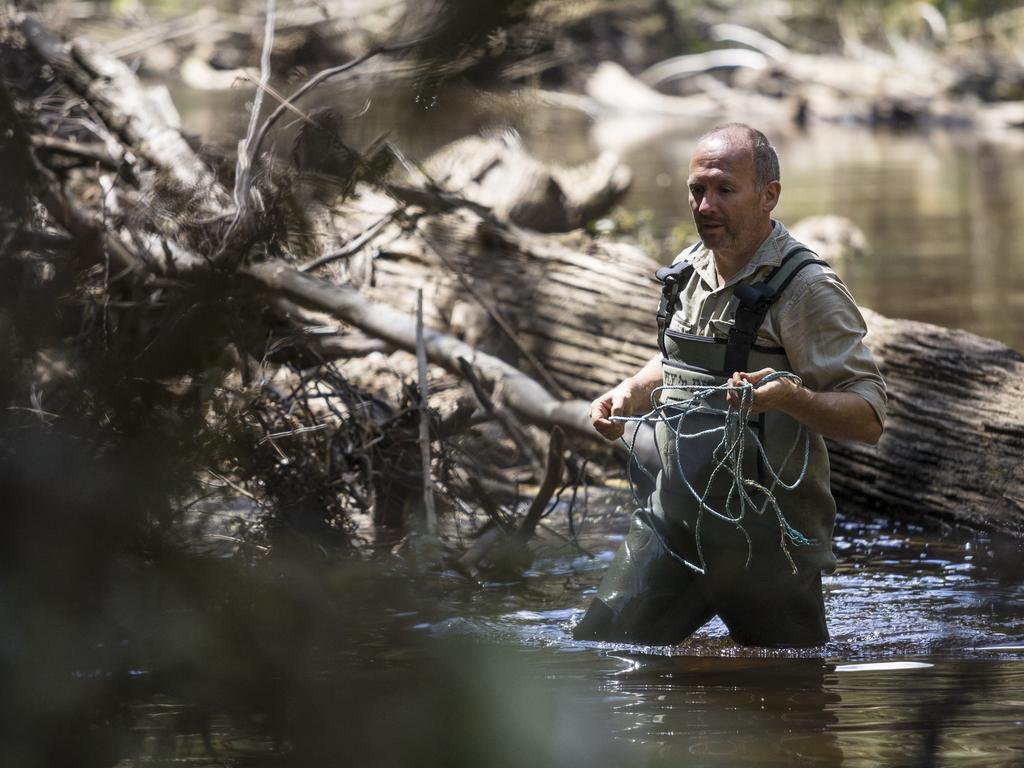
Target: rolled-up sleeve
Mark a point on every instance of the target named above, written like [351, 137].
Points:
[823, 331]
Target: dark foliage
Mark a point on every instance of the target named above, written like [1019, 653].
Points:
[122, 388]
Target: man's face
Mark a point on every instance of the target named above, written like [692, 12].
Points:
[731, 213]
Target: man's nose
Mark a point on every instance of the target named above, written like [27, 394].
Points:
[706, 204]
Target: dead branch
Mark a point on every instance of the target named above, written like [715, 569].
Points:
[508, 551]
[510, 427]
[429, 509]
[140, 115]
[96, 153]
[320, 77]
[552, 477]
[520, 393]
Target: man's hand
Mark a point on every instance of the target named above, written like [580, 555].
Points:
[773, 396]
[620, 401]
[629, 398]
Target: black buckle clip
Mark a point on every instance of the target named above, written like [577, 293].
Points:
[756, 296]
[671, 274]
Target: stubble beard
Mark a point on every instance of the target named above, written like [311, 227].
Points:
[716, 237]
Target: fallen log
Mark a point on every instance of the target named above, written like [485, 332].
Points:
[874, 90]
[498, 173]
[955, 434]
[584, 308]
[515, 390]
[616, 90]
[145, 118]
[560, 295]
[679, 67]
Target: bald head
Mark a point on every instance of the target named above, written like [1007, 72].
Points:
[762, 153]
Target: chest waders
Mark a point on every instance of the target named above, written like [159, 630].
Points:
[646, 595]
[692, 360]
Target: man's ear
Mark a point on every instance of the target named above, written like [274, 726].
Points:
[770, 195]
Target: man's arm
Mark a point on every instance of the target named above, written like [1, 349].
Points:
[628, 398]
[822, 330]
[837, 415]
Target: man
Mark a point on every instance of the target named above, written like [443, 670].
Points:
[751, 300]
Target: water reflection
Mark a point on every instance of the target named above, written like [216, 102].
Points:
[939, 211]
[722, 711]
[730, 711]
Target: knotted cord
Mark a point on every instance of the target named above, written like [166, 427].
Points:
[728, 459]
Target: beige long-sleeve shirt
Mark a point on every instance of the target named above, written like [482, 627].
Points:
[816, 320]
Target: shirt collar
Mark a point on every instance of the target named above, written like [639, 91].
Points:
[769, 253]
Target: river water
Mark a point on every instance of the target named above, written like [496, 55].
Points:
[926, 662]
[392, 663]
[941, 212]
[925, 665]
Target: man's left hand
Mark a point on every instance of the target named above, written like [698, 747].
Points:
[770, 397]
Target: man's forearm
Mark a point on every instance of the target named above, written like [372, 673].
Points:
[836, 415]
[646, 380]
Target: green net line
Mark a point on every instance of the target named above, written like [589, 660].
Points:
[728, 459]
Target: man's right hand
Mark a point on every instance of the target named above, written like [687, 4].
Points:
[619, 401]
[629, 398]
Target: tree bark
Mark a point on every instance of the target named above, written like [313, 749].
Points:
[583, 308]
[955, 427]
[144, 118]
[498, 173]
[954, 437]
[518, 391]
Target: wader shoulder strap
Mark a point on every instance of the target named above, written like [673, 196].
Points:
[672, 280]
[754, 301]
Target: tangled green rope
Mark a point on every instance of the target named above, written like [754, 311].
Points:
[729, 460]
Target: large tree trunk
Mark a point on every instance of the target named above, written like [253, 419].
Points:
[584, 308]
[580, 312]
[585, 311]
[954, 440]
